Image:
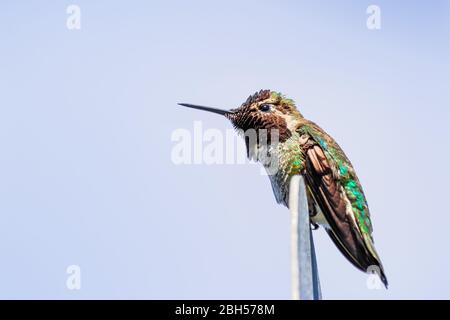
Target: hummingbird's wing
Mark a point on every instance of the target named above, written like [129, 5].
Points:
[336, 190]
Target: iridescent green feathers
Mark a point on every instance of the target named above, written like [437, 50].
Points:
[334, 191]
[352, 192]
[344, 174]
[352, 209]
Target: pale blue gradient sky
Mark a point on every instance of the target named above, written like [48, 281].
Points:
[86, 117]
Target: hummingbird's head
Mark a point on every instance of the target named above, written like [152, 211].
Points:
[265, 109]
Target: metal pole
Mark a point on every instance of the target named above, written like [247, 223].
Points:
[305, 284]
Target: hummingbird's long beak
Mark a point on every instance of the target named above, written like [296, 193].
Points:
[210, 109]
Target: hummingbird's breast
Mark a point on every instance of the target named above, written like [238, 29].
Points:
[285, 161]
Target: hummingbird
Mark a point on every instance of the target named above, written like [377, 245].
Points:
[335, 196]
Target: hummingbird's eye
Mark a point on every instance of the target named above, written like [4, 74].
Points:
[265, 107]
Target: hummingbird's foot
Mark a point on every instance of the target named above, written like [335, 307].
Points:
[314, 225]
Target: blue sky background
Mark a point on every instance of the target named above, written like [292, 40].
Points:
[86, 118]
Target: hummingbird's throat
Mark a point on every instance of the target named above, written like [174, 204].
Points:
[260, 148]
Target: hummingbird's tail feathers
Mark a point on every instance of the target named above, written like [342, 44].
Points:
[328, 193]
[368, 264]
[383, 278]
[371, 251]
[344, 251]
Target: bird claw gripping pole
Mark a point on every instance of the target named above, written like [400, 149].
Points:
[305, 283]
